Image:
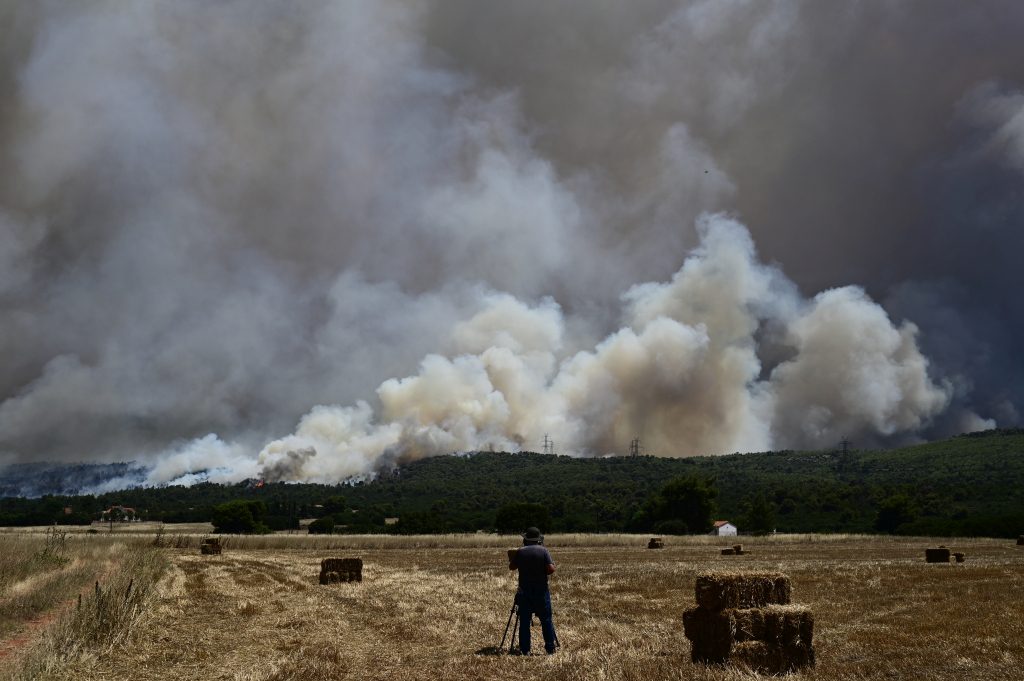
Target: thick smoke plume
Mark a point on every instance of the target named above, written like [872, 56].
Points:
[215, 217]
[684, 371]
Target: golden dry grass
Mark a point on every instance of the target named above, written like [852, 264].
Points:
[40, 572]
[423, 611]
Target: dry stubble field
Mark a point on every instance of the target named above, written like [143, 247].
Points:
[427, 605]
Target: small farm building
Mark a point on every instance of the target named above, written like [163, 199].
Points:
[723, 528]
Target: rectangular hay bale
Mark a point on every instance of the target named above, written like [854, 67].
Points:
[764, 658]
[939, 555]
[775, 624]
[210, 546]
[721, 590]
[728, 552]
[341, 570]
[711, 634]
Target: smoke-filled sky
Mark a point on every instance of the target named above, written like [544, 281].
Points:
[305, 240]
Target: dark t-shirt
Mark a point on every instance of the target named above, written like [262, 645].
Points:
[532, 561]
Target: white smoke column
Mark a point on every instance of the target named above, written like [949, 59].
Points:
[684, 374]
[854, 372]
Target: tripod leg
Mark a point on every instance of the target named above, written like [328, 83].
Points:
[515, 628]
[511, 614]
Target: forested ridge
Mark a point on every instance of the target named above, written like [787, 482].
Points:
[968, 485]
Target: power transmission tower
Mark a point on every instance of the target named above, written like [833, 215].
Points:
[845, 445]
[549, 445]
[634, 447]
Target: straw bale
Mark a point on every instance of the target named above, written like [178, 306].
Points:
[728, 552]
[711, 633]
[344, 570]
[738, 548]
[770, 659]
[720, 590]
[775, 624]
[656, 543]
[750, 624]
[959, 556]
[939, 555]
[210, 546]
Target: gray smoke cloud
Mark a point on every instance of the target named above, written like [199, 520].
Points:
[412, 228]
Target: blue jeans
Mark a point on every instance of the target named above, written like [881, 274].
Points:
[535, 601]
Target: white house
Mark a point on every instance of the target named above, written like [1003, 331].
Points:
[723, 528]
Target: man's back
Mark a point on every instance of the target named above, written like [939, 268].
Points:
[533, 561]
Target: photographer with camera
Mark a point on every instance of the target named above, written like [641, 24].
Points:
[532, 597]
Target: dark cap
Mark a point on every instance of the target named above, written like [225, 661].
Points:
[533, 536]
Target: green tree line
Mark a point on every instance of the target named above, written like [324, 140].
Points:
[969, 485]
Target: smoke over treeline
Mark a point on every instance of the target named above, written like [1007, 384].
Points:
[305, 240]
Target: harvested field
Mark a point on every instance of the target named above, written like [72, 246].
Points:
[424, 609]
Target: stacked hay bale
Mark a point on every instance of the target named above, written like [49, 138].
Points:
[656, 543]
[334, 570]
[937, 555]
[738, 549]
[210, 546]
[729, 552]
[959, 556]
[747, 617]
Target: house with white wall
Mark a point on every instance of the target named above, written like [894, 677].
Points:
[723, 528]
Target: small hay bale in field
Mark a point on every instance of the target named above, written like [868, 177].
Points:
[210, 546]
[656, 543]
[959, 556]
[728, 552]
[738, 549]
[711, 634]
[720, 590]
[344, 569]
[939, 555]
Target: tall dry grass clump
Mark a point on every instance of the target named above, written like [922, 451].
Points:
[89, 604]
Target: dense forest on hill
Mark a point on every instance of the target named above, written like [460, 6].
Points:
[968, 485]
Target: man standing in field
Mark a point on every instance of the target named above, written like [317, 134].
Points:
[533, 598]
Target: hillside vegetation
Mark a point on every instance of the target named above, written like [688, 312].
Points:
[968, 485]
